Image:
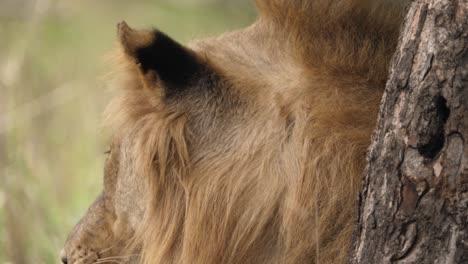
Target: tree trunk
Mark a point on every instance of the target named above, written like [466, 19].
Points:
[413, 205]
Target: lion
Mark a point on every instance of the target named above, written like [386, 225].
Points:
[247, 147]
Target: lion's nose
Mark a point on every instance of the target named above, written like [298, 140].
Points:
[63, 257]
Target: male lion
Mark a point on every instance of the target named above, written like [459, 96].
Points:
[244, 148]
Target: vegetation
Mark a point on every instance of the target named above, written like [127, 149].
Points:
[51, 98]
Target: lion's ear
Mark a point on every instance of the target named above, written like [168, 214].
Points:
[160, 58]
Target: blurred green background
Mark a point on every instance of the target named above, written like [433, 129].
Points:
[52, 95]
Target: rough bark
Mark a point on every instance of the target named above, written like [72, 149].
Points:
[413, 205]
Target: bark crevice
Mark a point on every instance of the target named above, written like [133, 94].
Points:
[413, 205]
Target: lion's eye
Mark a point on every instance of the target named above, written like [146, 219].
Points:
[107, 152]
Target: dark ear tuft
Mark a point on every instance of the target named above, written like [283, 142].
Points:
[159, 55]
[174, 64]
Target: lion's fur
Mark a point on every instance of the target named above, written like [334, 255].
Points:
[267, 170]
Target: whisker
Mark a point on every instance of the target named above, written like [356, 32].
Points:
[104, 261]
[119, 257]
[115, 258]
[106, 249]
[109, 248]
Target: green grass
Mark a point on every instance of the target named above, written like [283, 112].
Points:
[51, 99]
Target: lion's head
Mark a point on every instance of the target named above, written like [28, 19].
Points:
[245, 148]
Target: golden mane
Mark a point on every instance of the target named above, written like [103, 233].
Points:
[281, 187]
